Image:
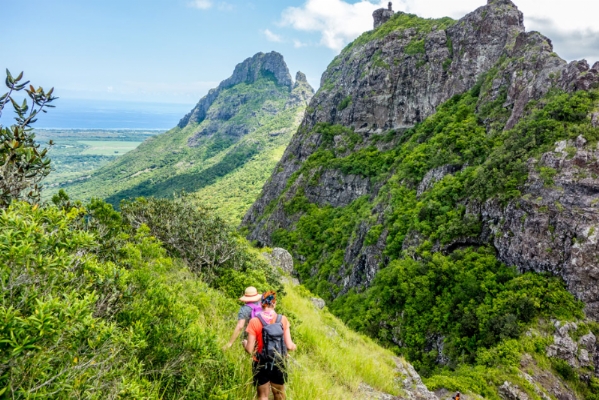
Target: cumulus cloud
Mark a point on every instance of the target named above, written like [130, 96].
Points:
[272, 37]
[201, 4]
[337, 22]
[299, 44]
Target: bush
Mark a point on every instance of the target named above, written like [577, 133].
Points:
[204, 241]
[73, 326]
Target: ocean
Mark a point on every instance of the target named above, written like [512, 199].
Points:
[96, 114]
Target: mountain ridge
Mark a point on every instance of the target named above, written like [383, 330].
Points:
[429, 181]
[242, 125]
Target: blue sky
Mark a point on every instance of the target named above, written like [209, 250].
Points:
[174, 51]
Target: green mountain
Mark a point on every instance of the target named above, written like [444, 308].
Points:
[223, 150]
[441, 195]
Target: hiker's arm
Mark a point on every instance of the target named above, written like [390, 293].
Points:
[250, 343]
[236, 333]
[287, 336]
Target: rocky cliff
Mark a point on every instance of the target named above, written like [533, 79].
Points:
[393, 78]
[432, 139]
[249, 71]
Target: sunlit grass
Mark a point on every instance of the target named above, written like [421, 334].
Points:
[331, 361]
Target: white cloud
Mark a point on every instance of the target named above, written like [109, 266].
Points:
[298, 44]
[272, 37]
[338, 22]
[201, 4]
[572, 28]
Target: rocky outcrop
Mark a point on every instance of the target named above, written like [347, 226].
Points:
[508, 391]
[280, 258]
[580, 353]
[382, 15]
[224, 110]
[302, 92]
[554, 226]
[412, 383]
[246, 72]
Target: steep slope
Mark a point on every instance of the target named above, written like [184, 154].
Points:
[239, 128]
[435, 153]
[98, 310]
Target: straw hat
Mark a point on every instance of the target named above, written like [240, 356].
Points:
[251, 295]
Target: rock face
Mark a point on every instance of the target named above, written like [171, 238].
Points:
[280, 258]
[554, 227]
[246, 72]
[581, 353]
[382, 15]
[390, 82]
[302, 92]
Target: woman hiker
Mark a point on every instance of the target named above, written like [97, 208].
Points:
[248, 310]
[268, 341]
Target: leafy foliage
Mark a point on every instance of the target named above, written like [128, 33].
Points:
[203, 240]
[92, 307]
[469, 299]
[76, 326]
[23, 164]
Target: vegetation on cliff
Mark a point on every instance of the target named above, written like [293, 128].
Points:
[459, 307]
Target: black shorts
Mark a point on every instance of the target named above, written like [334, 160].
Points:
[265, 373]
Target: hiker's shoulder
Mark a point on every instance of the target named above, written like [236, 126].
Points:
[245, 312]
[255, 324]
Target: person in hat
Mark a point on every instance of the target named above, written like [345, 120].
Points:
[269, 340]
[251, 307]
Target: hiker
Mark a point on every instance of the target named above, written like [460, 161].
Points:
[249, 310]
[268, 341]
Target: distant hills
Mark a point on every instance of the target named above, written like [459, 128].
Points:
[223, 150]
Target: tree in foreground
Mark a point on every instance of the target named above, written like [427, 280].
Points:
[23, 163]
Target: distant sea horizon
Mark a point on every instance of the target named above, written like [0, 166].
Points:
[110, 115]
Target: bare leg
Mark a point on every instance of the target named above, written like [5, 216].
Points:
[263, 391]
[278, 391]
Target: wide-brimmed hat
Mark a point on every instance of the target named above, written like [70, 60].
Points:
[251, 294]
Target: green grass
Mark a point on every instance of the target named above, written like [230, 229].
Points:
[107, 147]
[332, 361]
[77, 153]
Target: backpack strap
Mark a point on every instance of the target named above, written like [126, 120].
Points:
[279, 318]
[259, 316]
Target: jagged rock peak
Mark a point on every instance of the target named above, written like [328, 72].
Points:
[249, 71]
[302, 92]
[382, 15]
[254, 67]
[300, 77]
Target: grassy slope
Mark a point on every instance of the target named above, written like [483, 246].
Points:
[166, 163]
[144, 326]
